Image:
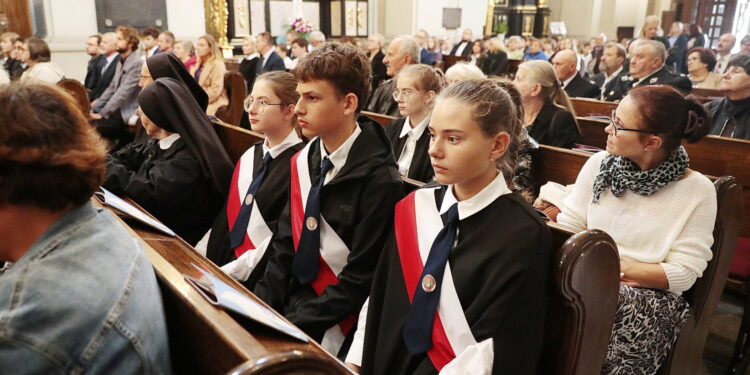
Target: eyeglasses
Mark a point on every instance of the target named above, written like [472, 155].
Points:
[401, 93]
[618, 127]
[260, 104]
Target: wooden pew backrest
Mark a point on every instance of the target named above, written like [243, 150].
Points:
[583, 304]
[79, 93]
[236, 140]
[592, 107]
[383, 120]
[686, 356]
[234, 85]
[557, 164]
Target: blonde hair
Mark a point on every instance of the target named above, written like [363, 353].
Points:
[213, 46]
[463, 71]
[542, 73]
[284, 85]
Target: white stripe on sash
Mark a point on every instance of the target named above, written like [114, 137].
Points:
[429, 223]
[257, 229]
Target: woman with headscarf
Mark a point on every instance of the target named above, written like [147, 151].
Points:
[181, 174]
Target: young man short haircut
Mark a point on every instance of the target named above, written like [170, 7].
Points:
[344, 185]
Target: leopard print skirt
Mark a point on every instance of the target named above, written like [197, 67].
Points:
[646, 326]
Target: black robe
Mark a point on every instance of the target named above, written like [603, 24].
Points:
[500, 266]
[358, 204]
[420, 168]
[271, 197]
[554, 126]
[169, 184]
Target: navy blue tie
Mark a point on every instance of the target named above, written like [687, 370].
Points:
[305, 264]
[418, 327]
[237, 235]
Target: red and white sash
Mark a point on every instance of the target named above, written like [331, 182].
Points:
[258, 233]
[333, 251]
[417, 223]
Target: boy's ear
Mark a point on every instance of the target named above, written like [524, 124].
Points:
[351, 101]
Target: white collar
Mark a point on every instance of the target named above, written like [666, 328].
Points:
[291, 139]
[111, 57]
[613, 74]
[338, 157]
[565, 82]
[167, 142]
[417, 130]
[152, 50]
[469, 207]
[252, 56]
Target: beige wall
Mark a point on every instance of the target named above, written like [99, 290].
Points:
[586, 18]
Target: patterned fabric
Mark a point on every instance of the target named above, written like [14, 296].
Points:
[647, 324]
[619, 173]
[523, 180]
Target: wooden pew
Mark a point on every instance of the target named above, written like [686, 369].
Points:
[583, 303]
[562, 166]
[592, 107]
[450, 60]
[235, 139]
[707, 95]
[383, 120]
[234, 85]
[79, 93]
[206, 339]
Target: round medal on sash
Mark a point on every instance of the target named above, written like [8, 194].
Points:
[428, 283]
[248, 199]
[311, 223]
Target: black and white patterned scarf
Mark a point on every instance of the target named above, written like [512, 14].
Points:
[619, 173]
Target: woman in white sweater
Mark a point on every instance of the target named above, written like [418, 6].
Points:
[659, 212]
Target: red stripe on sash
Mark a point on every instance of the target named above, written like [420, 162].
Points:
[233, 210]
[325, 276]
[407, 242]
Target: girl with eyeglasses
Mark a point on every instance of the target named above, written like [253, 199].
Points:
[660, 214]
[260, 185]
[416, 89]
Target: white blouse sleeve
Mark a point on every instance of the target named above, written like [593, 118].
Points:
[358, 342]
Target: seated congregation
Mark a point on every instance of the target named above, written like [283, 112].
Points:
[316, 220]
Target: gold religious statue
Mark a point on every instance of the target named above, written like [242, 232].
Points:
[217, 15]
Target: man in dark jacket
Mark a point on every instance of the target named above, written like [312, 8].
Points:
[94, 68]
[269, 60]
[646, 68]
[402, 51]
[566, 63]
[110, 59]
[731, 114]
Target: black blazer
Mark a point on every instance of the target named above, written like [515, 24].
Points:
[105, 79]
[378, 70]
[94, 71]
[420, 168]
[495, 64]
[275, 62]
[465, 52]
[358, 204]
[581, 88]
[15, 68]
[247, 69]
[617, 88]
[555, 126]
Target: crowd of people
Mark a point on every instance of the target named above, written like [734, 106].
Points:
[314, 218]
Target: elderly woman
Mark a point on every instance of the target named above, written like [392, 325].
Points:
[185, 51]
[700, 64]
[35, 53]
[463, 71]
[514, 49]
[660, 213]
[181, 175]
[209, 71]
[548, 114]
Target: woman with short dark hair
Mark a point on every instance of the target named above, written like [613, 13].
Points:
[660, 214]
[700, 65]
[35, 53]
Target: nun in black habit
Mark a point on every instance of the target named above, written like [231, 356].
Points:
[181, 174]
[167, 65]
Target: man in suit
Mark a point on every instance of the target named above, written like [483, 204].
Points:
[165, 41]
[566, 70]
[610, 64]
[401, 52]
[463, 47]
[116, 107]
[111, 58]
[426, 56]
[269, 59]
[96, 62]
[724, 52]
[150, 35]
[646, 68]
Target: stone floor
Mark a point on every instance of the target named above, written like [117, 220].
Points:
[720, 343]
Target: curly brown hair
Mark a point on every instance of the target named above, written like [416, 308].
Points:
[50, 157]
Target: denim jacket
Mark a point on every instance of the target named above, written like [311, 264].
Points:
[82, 299]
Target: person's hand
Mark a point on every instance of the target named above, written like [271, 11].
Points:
[625, 267]
[93, 104]
[95, 116]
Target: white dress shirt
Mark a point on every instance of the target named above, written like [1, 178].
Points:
[412, 134]
[338, 157]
